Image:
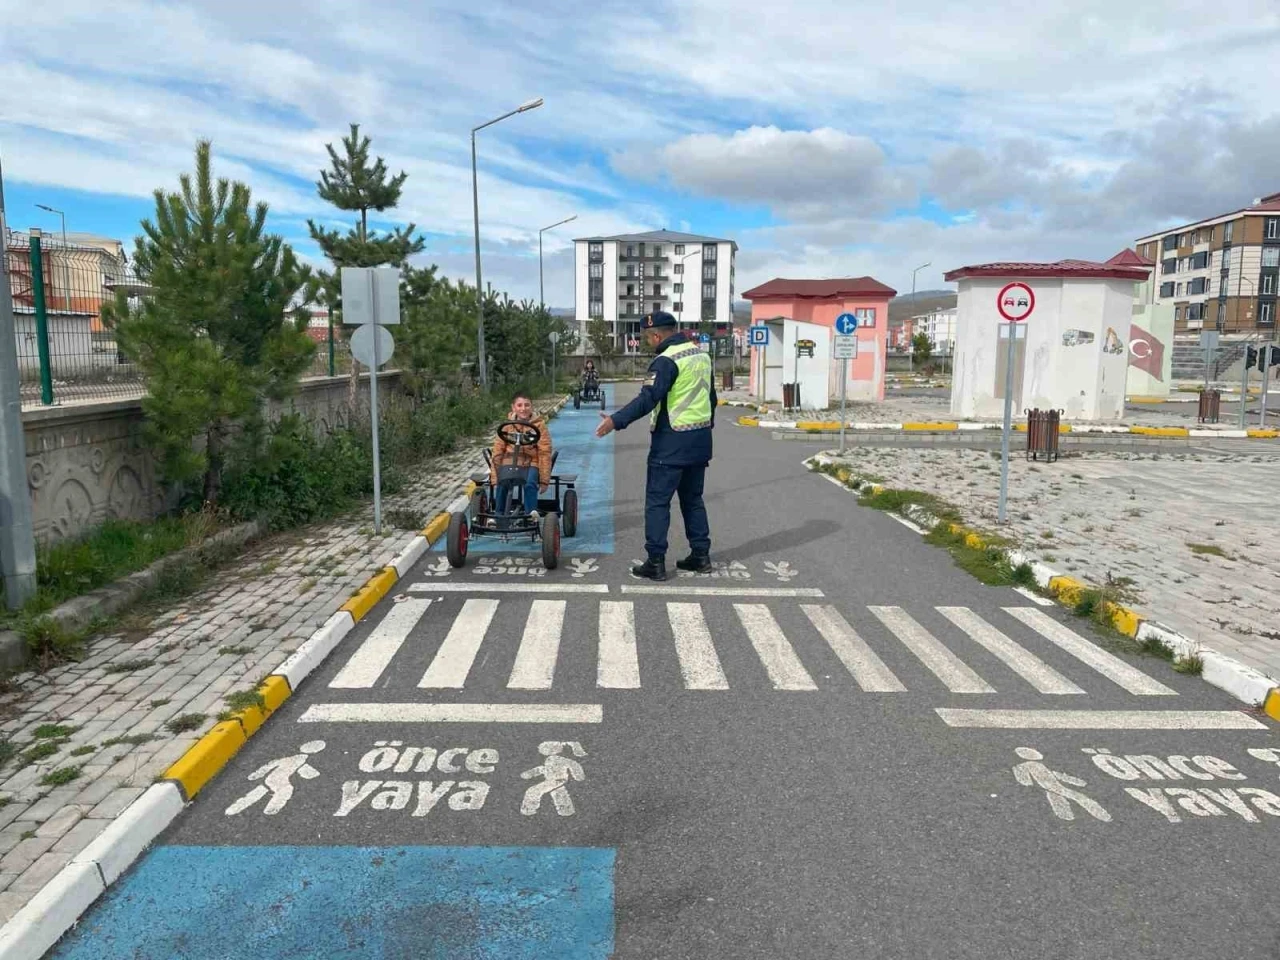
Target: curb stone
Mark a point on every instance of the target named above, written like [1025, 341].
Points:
[944, 426]
[1242, 682]
[60, 903]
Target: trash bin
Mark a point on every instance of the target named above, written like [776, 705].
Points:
[1210, 402]
[1043, 427]
[726, 380]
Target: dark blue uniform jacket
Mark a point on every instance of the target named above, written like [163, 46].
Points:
[667, 447]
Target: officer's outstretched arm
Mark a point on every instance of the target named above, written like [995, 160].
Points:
[662, 376]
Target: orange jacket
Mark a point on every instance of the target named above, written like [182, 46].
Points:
[529, 456]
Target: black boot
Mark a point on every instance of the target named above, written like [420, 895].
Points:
[695, 563]
[655, 568]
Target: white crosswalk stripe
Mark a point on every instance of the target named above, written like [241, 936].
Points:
[376, 653]
[1036, 672]
[791, 658]
[944, 664]
[869, 671]
[1111, 667]
[453, 660]
[779, 658]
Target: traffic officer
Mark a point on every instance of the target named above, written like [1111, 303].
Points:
[679, 395]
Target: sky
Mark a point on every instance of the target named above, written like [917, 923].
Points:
[827, 137]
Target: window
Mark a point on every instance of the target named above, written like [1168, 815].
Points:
[596, 309]
[1182, 264]
[1268, 283]
[1168, 266]
[1199, 261]
[657, 250]
[708, 291]
[630, 311]
[1199, 285]
[631, 289]
[678, 268]
[679, 249]
[657, 307]
[1177, 291]
[596, 270]
[708, 251]
[1170, 242]
[1195, 311]
[866, 316]
[1273, 228]
[708, 310]
[1271, 256]
[641, 248]
[631, 250]
[595, 251]
[1166, 290]
[1222, 315]
[708, 271]
[678, 307]
[1227, 229]
[657, 290]
[1267, 314]
[677, 288]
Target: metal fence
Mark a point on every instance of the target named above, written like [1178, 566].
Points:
[66, 353]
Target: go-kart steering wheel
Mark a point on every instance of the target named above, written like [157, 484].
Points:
[518, 433]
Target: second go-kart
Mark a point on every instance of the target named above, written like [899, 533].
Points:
[588, 391]
[505, 516]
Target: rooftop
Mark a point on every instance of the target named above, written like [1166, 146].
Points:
[1119, 267]
[820, 289]
[1267, 204]
[659, 236]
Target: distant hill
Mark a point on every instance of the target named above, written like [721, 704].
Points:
[924, 301]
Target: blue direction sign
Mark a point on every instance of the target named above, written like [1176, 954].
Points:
[846, 324]
[704, 338]
[758, 336]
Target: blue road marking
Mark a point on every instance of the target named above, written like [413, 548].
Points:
[354, 903]
[581, 452]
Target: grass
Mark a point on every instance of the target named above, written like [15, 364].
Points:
[986, 564]
[133, 740]
[41, 751]
[84, 751]
[154, 704]
[1192, 665]
[185, 723]
[244, 699]
[130, 666]
[52, 731]
[1213, 550]
[233, 651]
[7, 751]
[307, 585]
[897, 501]
[60, 777]
[405, 519]
[26, 834]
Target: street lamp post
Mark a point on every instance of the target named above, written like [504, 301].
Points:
[475, 209]
[541, 296]
[911, 360]
[66, 268]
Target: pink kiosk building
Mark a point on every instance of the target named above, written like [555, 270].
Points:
[797, 310]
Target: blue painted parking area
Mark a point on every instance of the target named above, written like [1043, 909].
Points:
[331, 903]
[581, 452]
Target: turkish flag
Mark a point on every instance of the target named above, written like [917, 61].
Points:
[1146, 352]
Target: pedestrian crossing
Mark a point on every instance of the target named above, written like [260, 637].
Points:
[788, 648]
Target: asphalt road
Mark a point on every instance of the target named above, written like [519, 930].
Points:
[763, 773]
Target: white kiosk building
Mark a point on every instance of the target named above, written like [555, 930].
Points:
[1071, 352]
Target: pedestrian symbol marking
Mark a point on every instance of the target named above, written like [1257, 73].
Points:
[1057, 786]
[556, 772]
[277, 780]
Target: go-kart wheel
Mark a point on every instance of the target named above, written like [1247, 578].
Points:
[570, 515]
[602, 401]
[550, 541]
[577, 402]
[456, 539]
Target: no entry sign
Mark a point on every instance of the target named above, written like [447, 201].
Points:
[1015, 301]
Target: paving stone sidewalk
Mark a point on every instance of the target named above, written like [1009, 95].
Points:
[1196, 533]
[90, 737]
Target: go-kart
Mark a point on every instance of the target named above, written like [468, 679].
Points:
[488, 515]
[588, 391]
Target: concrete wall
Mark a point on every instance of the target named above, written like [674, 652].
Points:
[1150, 350]
[87, 463]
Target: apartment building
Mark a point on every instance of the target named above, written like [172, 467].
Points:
[940, 327]
[1219, 273]
[620, 279]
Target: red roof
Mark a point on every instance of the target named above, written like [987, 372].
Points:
[1130, 258]
[819, 289]
[1061, 270]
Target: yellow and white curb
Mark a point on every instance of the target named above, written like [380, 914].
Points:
[51, 912]
[1242, 682]
[955, 426]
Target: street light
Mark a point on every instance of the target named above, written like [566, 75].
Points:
[66, 268]
[475, 208]
[541, 301]
[911, 360]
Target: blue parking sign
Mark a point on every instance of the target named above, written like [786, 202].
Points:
[758, 336]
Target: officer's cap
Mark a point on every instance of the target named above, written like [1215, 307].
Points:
[659, 318]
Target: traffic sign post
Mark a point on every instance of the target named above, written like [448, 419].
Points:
[846, 348]
[1015, 301]
[371, 299]
[758, 336]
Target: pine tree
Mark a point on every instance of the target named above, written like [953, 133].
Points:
[217, 334]
[601, 337]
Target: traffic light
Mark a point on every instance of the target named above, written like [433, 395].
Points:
[1272, 357]
[1252, 358]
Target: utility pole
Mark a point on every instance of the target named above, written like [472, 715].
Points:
[17, 538]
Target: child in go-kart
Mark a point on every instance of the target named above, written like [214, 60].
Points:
[535, 460]
[589, 374]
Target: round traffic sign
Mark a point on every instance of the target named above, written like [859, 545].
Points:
[1015, 301]
[846, 324]
[362, 344]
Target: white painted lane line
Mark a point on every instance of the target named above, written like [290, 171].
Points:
[785, 670]
[453, 713]
[869, 671]
[535, 665]
[618, 667]
[1099, 719]
[915, 528]
[678, 588]
[452, 662]
[696, 652]
[443, 586]
[1033, 596]
[373, 656]
[1028, 666]
[1111, 667]
[944, 664]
